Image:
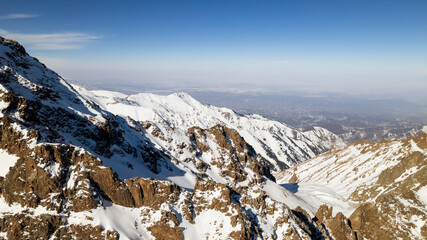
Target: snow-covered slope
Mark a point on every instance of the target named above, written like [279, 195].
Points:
[281, 145]
[7, 161]
[381, 186]
[347, 169]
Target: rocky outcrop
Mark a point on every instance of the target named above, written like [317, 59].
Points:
[152, 193]
[338, 226]
[235, 154]
[22, 226]
[391, 208]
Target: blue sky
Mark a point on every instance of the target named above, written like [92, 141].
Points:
[364, 48]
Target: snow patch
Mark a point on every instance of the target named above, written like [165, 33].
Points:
[126, 221]
[317, 194]
[7, 161]
[209, 224]
[422, 195]
[281, 194]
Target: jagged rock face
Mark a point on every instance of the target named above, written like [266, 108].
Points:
[393, 201]
[40, 179]
[385, 184]
[339, 226]
[234, 153]
[218, 152]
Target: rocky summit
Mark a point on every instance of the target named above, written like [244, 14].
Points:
[80, 164]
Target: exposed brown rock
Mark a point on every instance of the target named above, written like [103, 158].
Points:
[23, 226]
[338, 226]
[293, 179]
[385, 216]
[152, 193]
[324, 213]
[162, 230]
[237, 154]
[85, 232]
[112, 187]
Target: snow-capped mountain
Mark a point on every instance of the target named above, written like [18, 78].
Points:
[103, 165]
[282, 146]
[381, 187]
[72, 169]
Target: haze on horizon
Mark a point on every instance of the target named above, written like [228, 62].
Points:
[366, 49]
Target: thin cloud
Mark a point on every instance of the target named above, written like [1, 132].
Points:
[18, 16]
[51, 41]
[283, 61]
[55, 63]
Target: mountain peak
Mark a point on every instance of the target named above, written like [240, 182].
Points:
[182, 95]
[12, 44]
[187, 98]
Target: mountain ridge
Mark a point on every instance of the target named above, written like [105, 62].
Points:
[71, 158]
[79, 170]
[280, 144]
